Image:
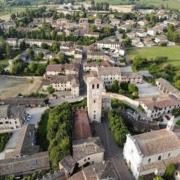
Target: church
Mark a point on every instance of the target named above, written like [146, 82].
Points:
[152, 152]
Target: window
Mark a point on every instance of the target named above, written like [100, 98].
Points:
[149, 160]
[94, 116]
[97, 86]
[94, 101]
[159, 158]
[88, 158]
[169, 154]
[84, 160]
[93, 86]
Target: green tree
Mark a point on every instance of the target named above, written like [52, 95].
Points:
[50, 90]
[177, 84]
[115, 86]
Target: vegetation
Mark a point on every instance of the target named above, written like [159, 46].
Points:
[169, 173]
[3, 140]
[125, 88]
[50, 90]
[173, 35]
[172, 54]
[42, 131]
[176, 112]
[118, 128]
[178, 122]
[158, 68]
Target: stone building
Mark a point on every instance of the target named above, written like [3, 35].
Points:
[152, 152]
[94, 98]
[11, 117]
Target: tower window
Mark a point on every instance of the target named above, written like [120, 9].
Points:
[159, 158]
[97, 86]
[94, 101]
[93, 86]
[149, 160]
[94, 116]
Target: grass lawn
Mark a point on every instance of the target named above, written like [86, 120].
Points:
[174, 4]
[173, 53]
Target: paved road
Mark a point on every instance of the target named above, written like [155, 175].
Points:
[113, 153]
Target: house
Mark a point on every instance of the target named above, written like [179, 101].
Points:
[22, 143]
[93, 65]
[25, 101]
[46, 53]
[66, 69]
[37, 42]
[114, 22]
[11, 117]
[152, 152]
[95, 54]
[88, 151]
[108, 45]
[25, 165]
[165, 87]
[141, 33]
[151, 32]
[63, 83]
[110, 74]
[96, 171]
[97, 23]
[156, 107]
[161, 39]
[91, 34]
[67, 165]
[12, 41]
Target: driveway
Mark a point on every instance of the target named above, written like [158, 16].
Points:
[36, 114]
[113, 153]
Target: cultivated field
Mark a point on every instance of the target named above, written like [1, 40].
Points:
[173, 53]
[12, 86]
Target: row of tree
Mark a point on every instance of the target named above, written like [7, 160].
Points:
[125, 88]
[118, 128]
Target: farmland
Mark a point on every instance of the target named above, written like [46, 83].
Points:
[173, 53]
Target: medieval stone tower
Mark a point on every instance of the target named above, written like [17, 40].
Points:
[94, 98]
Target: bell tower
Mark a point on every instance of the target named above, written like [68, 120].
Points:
[94, 98]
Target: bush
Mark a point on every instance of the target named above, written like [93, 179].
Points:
[169, 173]
[3, 140]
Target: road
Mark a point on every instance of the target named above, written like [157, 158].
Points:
[113, 153]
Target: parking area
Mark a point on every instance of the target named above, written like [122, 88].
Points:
[35, 114]
[146, 90]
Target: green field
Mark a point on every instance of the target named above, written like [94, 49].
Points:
[6, 12]
[173, 53]
[174, 4]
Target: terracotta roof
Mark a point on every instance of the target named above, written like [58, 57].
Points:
[82, 127]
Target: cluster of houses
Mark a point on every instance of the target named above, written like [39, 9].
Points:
[99, 64]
